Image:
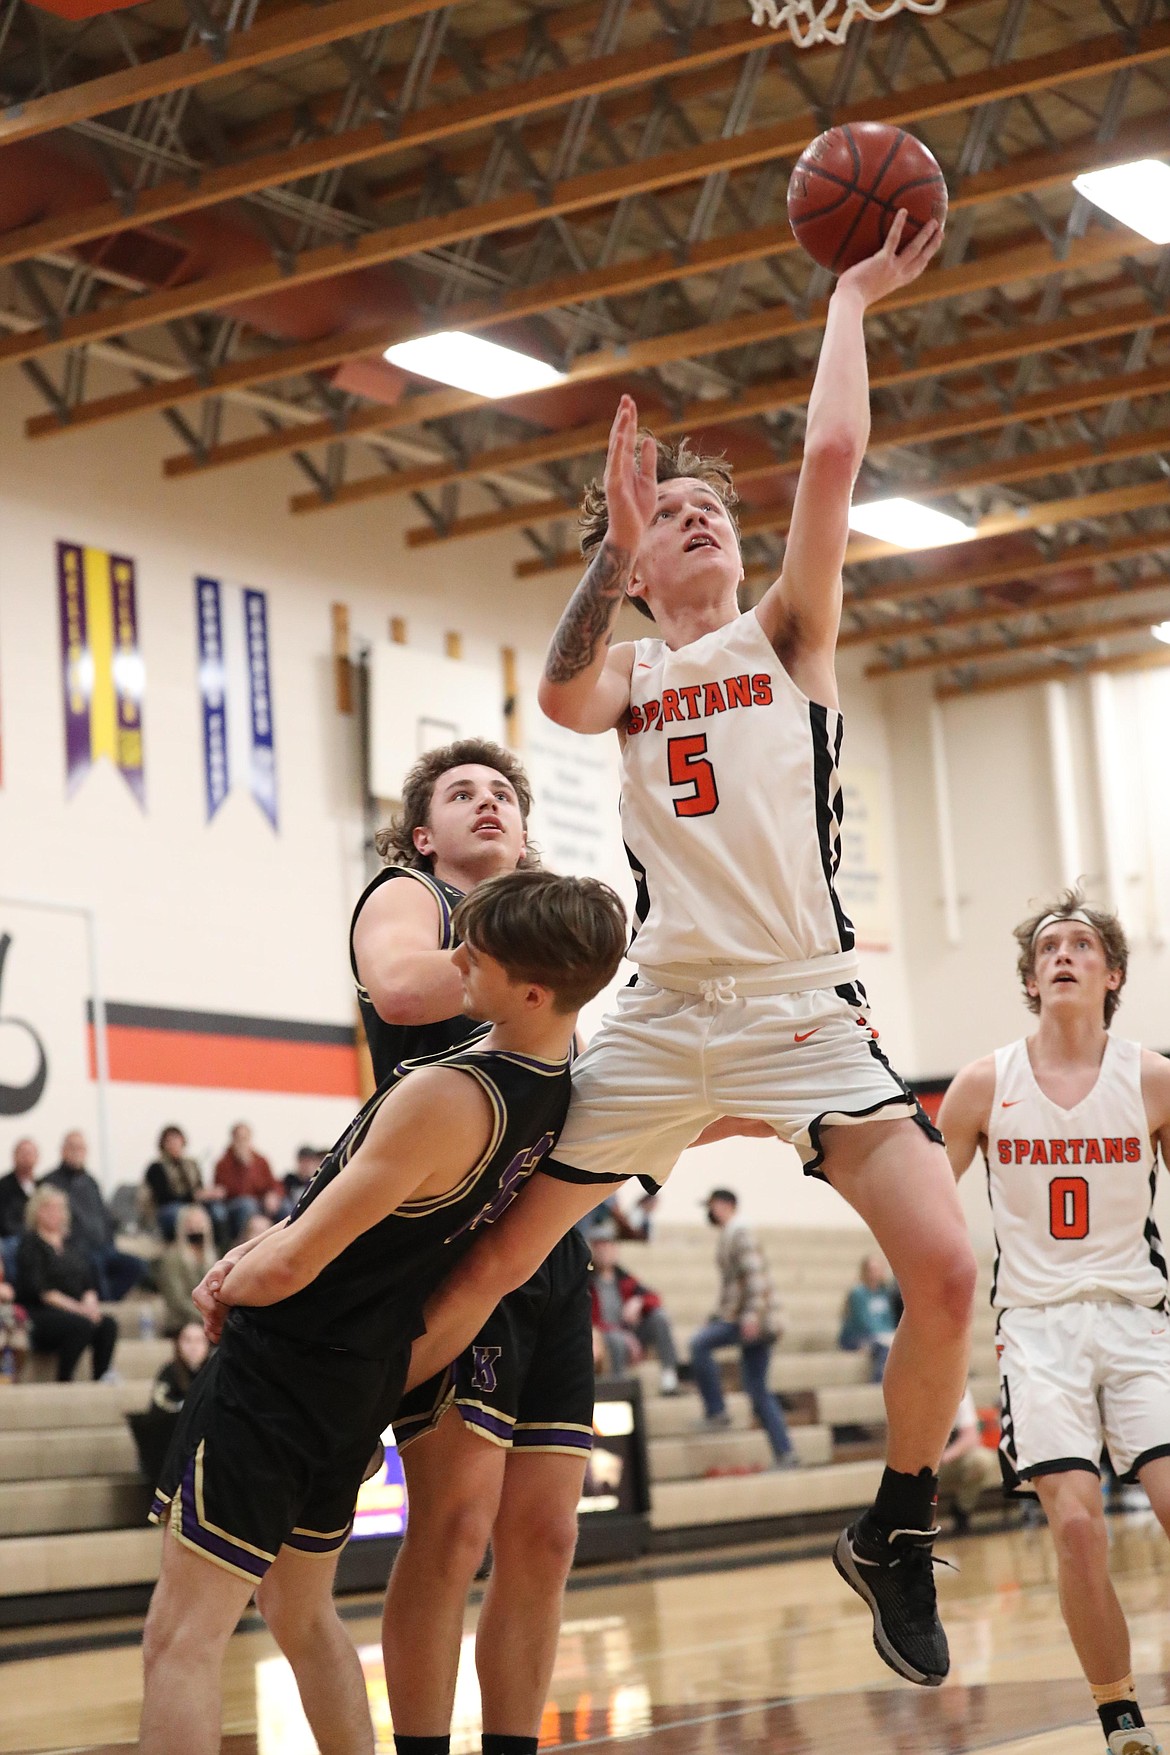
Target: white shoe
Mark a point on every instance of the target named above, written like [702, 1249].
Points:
[1137, 1741]
[669, 1382]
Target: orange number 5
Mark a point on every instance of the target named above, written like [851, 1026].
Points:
[687, 765]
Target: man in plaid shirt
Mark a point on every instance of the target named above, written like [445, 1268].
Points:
[748, 1316]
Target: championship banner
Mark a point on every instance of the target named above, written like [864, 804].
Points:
[232, 634]
[102, 670]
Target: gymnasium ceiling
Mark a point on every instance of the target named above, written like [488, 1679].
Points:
[224, 210]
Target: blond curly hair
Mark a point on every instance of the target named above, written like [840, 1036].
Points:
[675, 463]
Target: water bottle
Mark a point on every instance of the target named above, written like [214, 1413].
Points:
[147, 1328]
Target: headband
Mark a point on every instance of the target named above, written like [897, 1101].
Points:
[1052, 919]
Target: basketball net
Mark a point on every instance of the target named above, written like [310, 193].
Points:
[828, 21]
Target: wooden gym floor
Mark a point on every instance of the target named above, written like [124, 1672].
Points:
[762, 1651]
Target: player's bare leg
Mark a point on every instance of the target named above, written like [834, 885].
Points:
[1155, 1478]
[193, 1613]
[1088, 1601]
[901, 1184]
[296, 1600]
[533, 1542]
[453, 1481]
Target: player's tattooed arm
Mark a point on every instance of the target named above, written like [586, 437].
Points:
[588, 621]
[586, 681]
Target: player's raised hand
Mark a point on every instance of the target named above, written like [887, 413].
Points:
[896, 264]
[631, 481]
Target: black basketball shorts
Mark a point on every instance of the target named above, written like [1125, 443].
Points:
[526, 1382]
[271, 1447]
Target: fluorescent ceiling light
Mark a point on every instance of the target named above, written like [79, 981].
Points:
[1161, 631]
[1137, 194]
[467, 362]
[907, 524]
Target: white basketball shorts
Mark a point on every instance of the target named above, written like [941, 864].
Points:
[1075, 1377]
[665, 1063]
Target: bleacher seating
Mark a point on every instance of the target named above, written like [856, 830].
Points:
[72, 1502]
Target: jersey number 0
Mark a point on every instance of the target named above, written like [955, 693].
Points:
[1068, 1206]
[687, 765]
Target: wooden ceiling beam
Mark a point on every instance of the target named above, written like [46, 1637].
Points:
[986, 416]
[439, 121]
[1029, 262]
[1004, 610]
[1053, 673]
[289, 33]
[1070, 636]
[474, 314]
[1109, 503]
[580, 193]
[1034, 564]
[607, 282]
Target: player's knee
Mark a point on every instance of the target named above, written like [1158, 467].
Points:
[296, 1626]
[172, 1635]
[1081, 1538]
[942, 1286]
[543, 1547]
[457, 1536]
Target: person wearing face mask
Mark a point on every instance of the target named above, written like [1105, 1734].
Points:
[1070, 1122]
[183, 1264]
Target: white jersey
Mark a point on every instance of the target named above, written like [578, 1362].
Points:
[1072, 1190]
[731, 812]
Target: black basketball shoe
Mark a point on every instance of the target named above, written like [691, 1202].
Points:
[894, 1573]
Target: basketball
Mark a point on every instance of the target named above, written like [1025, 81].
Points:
[850, 182]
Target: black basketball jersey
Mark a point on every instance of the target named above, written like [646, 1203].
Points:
[391, 1044]
[364, 1297]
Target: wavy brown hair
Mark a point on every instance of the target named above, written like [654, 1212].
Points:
[565, 933]
[396, 845]
[675, 463]
[1107, 927]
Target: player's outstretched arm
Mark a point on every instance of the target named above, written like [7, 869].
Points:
[586, 681]
[423, 1139]
[395, 946]
[502, 1258]
[966, 1113]
[801, 612]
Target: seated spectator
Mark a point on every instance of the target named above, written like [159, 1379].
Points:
[173, 1181]
[300, 1176]
[175, 1378]
[246, 1180]
[13, 1332]
[182, 1265]
[748, 1317]
[153, 1429]
[871, 1316]
[15, 1189]
[57, 1286]
[629, 1317]
[968, 1469]
[91, 1227]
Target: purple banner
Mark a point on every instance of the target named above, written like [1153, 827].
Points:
[76, 662]
[212, 692]
[263, 762]
[128, 676]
